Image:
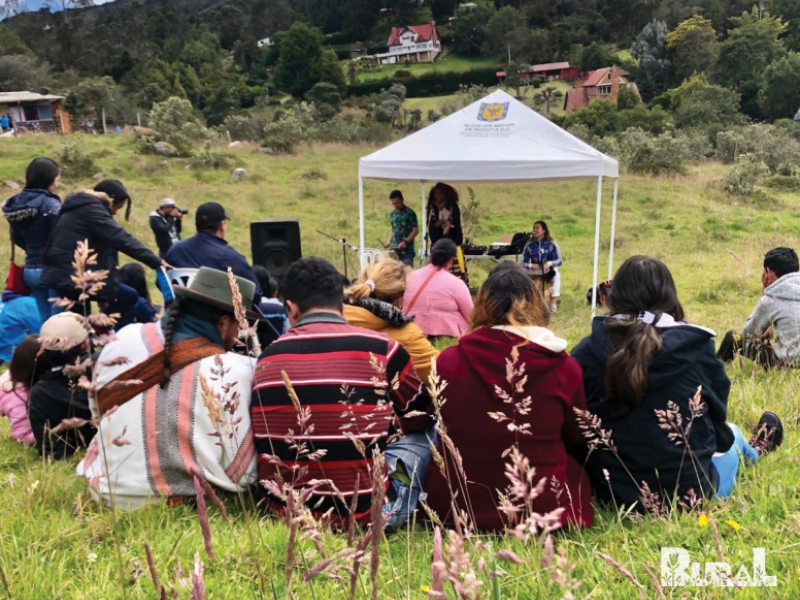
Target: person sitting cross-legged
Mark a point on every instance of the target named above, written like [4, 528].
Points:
[351, 389]
[173, 401]
[776, 314]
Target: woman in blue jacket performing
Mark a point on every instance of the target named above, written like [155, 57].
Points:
[31, 215]
[543, 253]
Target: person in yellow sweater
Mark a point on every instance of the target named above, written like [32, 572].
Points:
[375, 302]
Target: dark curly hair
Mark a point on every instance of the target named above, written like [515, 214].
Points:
[313, 283]
[450, 195]
[781, 261]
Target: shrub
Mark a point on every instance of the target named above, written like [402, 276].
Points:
[746, 176]
[75, 164]
[660, 155]
[774, 146]
[433, 83]
[211, 159]
[696, 143]
[403, 74]
[245, 127]
[177, 122]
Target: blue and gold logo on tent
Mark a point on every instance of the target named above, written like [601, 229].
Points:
[493, 112]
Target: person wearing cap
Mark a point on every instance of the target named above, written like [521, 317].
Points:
[166, 223]
[187, 415]
[89, 215]
[55, 398]
[208, 248]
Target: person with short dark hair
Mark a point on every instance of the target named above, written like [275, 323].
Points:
[357, 385]
[275, 322]
[31, 216]
[511, 316]
[133, 276]
[89, 215]
[55, 397]
[644, 363]
[208, 247]
[166, 223]
[777, 315]
[439, 301]
[186, 415]
[404, 229]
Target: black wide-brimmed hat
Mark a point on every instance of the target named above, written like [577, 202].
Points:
[212, 287]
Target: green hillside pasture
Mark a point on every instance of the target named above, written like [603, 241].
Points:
[449, 62]
[55, 542]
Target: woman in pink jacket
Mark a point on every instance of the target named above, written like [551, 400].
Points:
[438, 300]
[14, 387]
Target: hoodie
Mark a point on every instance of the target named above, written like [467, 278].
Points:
[779, 307]
[87, 216]
[687, 360]
[31, 215]
[473, 370]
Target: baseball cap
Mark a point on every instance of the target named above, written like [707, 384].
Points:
[167, 202]
[210, 215]
[63, 332]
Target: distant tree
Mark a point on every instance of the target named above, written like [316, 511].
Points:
[627, 98]
[442, 9]
[693, 45]
[516, 76]
[326, 99]
[595, 56]
[22, 72]
[709, 106]
[10, 8]
[92, 96]
[750, 47]
[655, 68]
[220, 105]
[507, 31]
[546, 98]
[177, 120]
[469, 31]
[63, 6]
[299, 61]
[331, 71]
[352, 72]
[789, 11]
[780, 97]
[10, 42]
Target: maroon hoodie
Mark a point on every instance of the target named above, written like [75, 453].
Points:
[472, 369]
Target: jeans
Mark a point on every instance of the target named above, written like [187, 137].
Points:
[40, 293]
[406, 461]
[760, 352]
[727, 463]
[405, 256]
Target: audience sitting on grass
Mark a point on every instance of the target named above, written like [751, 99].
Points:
[15, 387]
[601, 294]
[275, 322]
[439, 301]
[656, 384]
[777, 315]
[208, 247]
[324, 400]
[375, 301]
[187, 414]
[133, 276]
[509, 325]
[58, 407]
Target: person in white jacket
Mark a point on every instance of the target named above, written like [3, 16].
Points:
[173, 402]
[771, 334]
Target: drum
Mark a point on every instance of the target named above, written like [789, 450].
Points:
[543, 281]
[374, 255]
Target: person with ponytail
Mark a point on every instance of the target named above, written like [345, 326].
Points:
[510, 324]
[375, 301]
[173, 401]
[439, 301]
[644, 368]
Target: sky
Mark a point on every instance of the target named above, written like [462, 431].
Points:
[37, 4]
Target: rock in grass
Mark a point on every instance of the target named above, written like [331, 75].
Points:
[165, 149]
[240, 174]
[99, 176]
[13, 185]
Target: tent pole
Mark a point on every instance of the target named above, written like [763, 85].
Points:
[613, 230]
[596, 244]
[362, 234]
[424, 223]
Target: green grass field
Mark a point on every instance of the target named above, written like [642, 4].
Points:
[56, 543]
[449, 62]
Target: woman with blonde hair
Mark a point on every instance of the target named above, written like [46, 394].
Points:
[374, 302]
[509, 325]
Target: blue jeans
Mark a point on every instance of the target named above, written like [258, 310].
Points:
[40, 293]
[405, 256]
[727, 464]
[407, 460]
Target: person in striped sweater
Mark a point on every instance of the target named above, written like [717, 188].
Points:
[326, 396]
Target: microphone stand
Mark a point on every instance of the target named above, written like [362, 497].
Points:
[345, 246]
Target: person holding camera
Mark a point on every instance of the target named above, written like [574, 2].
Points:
[166, 223]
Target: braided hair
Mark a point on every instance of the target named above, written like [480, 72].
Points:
[175, 312]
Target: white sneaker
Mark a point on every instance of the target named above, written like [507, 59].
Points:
[554, 308]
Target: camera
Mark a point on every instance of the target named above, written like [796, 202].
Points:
[183, 211]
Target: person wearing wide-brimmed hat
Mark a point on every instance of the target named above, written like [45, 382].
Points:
[187, 414]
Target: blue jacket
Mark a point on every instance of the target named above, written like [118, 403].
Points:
[31, 215]
[537, 253]
[207, 250]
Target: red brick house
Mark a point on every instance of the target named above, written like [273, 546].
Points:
[548, 71]
[603, 84]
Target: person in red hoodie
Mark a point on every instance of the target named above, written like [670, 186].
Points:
[511, 313]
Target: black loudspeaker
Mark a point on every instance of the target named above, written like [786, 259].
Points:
[275, 244]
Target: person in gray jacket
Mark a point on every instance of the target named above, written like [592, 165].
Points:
[777, 315]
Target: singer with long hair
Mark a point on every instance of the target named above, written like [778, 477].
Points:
[542, 254]
[444, 222]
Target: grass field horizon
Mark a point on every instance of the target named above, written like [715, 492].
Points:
[55, 542]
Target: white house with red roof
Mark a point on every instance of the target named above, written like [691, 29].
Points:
[413, 43]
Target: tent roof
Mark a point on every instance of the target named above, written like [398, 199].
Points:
[496, 138]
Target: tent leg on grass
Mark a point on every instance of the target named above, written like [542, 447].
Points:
[613, 231]
[596, 244]
[424, 218]
[362, 233]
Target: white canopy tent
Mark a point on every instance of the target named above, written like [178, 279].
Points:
[496, 139]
